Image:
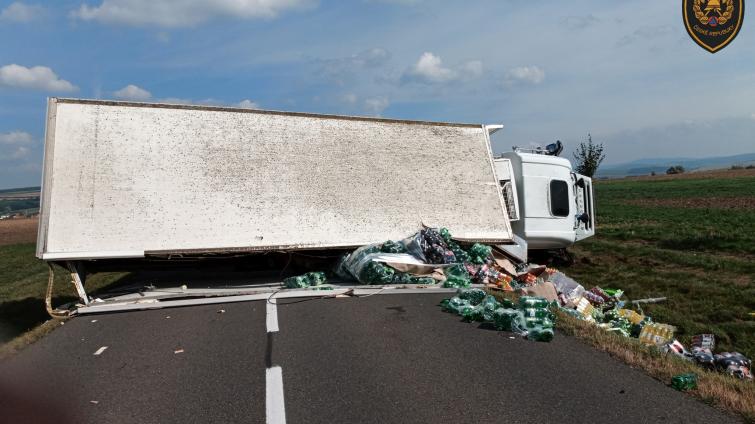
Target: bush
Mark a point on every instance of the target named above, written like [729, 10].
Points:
[678, 169]
[589, 155]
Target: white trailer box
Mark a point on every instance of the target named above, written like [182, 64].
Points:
[125, 180]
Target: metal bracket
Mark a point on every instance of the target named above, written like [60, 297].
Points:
[78, 277]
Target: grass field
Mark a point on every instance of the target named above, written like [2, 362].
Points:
[18, 199]
[23, 281]
[691, 239]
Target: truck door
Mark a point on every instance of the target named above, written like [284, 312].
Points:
[584, 222]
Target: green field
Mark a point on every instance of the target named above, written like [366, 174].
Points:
[689, 239]
[9, 203]
[23, 281]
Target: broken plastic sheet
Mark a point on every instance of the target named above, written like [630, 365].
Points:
[570, 291]
[369, 265]
[404, 262]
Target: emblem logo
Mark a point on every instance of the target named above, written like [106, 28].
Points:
[713, 24]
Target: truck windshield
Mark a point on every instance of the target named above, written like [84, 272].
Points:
[559, 194]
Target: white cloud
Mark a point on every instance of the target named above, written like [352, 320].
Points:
[344, 69]
[163, 37]
[646, 32]
[372, 57]
[472, 69]
[37, 78]
[132, 92]
[203, 102]
[580, 22]
[16, 148]
[525, 74]
[429, 69]
[20, 152]
[16, 137]
[376, 105]
[349, 98]
[176, 101]
[398, 2]
[183, 13]
[248, 104]
[20, 12]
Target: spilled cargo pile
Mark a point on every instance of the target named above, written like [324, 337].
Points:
[433, 257]
[430, 256]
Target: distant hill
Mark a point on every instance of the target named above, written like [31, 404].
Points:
[20, 190]
[660, 165]
[24, 199]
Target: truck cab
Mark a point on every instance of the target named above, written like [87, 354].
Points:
[550, 206]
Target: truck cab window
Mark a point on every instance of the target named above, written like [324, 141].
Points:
[559, 196]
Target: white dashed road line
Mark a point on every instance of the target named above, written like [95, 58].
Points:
[272, 316]
[275, 409]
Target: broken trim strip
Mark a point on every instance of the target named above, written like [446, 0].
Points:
[135, 305]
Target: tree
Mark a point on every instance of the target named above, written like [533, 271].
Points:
[589, 156]
[678, 169]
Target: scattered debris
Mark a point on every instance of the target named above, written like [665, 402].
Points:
[654, 334]
[532, 317]
[94, 320]
[606, 309]
[677, 349]
[310, 279]
[177, 351]
[684, 382]
[221, 311]
[734, 364]
[95, 402]
[100, 350]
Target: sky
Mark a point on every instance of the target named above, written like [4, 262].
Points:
[625, 72]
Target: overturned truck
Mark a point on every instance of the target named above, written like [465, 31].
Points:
[125, 182]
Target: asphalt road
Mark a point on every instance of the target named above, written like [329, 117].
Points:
[384, 358]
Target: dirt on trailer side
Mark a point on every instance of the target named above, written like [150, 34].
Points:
[18, 230]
